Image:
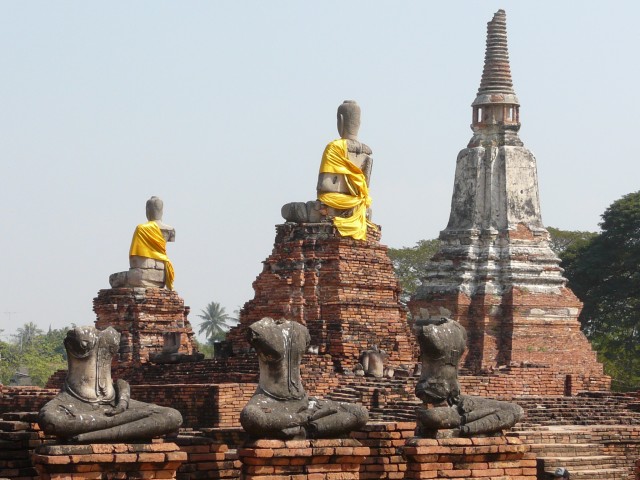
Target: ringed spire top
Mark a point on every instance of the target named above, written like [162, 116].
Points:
[496, 85]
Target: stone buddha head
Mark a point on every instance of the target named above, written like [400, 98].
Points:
[154, 208]
[349, 119]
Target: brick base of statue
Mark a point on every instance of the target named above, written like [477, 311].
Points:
[330, 459]
[343, 290]
[119, 460]
[498, 458]
[207, 458]
[148, 319]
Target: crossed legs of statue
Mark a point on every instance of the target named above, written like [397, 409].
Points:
[472, 415]
[300, 419]
[84, 422]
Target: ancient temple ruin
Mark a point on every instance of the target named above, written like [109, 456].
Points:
[495, 272]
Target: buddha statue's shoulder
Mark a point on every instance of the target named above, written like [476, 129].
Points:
[358, 148]
[168, 232]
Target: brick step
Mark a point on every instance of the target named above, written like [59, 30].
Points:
[341, 397]
[567, 449]
[588, 462]
[605, 474]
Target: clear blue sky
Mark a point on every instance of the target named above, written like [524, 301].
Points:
[223, 110]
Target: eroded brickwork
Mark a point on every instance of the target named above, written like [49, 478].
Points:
[142, 316]
[324, 459]
[523, 328]
[343, 290]
[488, 457]
[114, 460]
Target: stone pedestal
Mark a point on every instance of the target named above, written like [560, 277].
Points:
[119, 460]
[144, 316]
[329, 459]
[498, 458]
[343, 290]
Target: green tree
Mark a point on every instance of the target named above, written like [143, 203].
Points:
[42, 354]
[207, 349]
[27, 333]
[215, 322]
[560, 240]
[604, 272]
[409, 264]
[9, 361]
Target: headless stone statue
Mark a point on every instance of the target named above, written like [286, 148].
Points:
[280, 407]
[91, 407]
[170, 353]
[446, 412]
[148, 262]
[372, 364]
[359, 155]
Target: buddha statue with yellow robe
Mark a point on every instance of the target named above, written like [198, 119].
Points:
[148, 261]
[343, 181]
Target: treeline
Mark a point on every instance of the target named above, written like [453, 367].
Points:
[34, 352]
[603, 270]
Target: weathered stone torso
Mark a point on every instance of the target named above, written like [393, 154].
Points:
[89, 374]
[280, 346]
[441, 347]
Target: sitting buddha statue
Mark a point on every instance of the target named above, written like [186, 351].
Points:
[280, 407]
[446, 412]
[343, 181]
[91, 407]
[148, 261]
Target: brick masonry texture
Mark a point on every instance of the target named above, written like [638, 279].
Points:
[524, 328]
[500, 458]
[142, 315]
[330, 459]
[98, 461]
[212, 453]
[343, 290]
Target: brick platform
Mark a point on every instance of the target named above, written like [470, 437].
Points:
[207, 458]
[385, 442]
[332, 459]
[98, 461]
[343, 290]
[142, 316]
[497, 458]
[20, 435]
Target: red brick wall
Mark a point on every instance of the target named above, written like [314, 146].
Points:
[201, 406]
[523, 327]
[343, 290]
[142, 316]
[24, 399]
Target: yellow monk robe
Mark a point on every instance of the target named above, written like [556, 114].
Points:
[148, 242]
[335, 159]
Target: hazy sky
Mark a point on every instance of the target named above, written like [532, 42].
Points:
[223, 109]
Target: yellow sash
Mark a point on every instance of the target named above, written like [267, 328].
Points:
[335, 159]
[148, 242]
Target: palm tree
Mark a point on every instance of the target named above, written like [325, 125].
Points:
[27, 333]
[214, 322]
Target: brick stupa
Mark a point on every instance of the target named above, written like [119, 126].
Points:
[495, 272]
[151, 321]
[343, 290]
